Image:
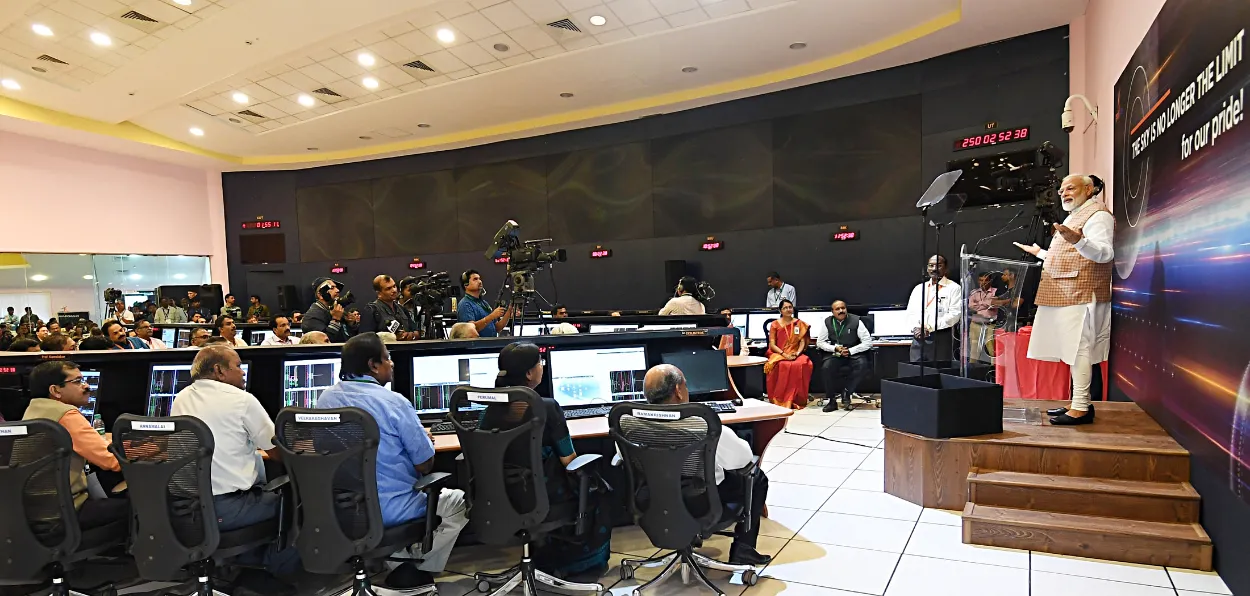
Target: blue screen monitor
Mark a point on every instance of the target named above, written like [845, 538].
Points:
[434, 378]
[164, 383]
[597, 375]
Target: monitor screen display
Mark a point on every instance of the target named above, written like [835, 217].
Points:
[892, 323]
[814, 318]
[532, 330]
[612, 328]
[755, 324]
[164, 383]
[666, 327]
[305, 380]
[182, 338]
[434, 378]
[597, 375]
[705, 370]
[93, 383]
[169, 335]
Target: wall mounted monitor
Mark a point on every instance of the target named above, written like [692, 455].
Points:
[434, 378]
[305, 380]
[597, 375]
[705, 370]
[164, 383]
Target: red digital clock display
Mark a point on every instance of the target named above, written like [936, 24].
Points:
[992, 138]
[416, 265]
[261, 225]
[337, 269]
[843, 235]
[600, 253]
[712, 245]
[8, 370]
[501, 260]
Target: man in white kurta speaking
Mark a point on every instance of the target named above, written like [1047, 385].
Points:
[1073, 322]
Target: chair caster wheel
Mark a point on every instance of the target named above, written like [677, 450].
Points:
[627, 572]
[483, 586]
[750, 577]
[636, 592]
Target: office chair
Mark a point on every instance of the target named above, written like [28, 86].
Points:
[507, 491]
[669, 453]
[167, 463]
[40, 538]
[870, 324]
[331, 458]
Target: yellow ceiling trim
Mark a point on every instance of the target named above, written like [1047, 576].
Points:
[124, 130]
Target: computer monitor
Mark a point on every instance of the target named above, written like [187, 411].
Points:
[164, 383]
[705, 370]
[258, 336]
[814, 318]
[182, 339]
[666, 327]
[434, 378]
[305, 380]
[892, 323]
[612, 328]
[533, 330]
[597, 375]
[169, 335]
[93, 383]
[755, 324]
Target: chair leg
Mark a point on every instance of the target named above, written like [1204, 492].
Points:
[673, 563]
[632, 564]
[555, 582]
[710, 563]
[689, 562]
[512, 582]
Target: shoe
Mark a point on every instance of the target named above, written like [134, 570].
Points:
[261, 583]
[407, 577]
[1066, 420]
[1056, 411]
[831, 405]
[847, 405]
[746, 555]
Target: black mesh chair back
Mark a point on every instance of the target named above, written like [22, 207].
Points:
[507, 487]
[167, 463]
[670, 460]
[331, 459]
[39, 525]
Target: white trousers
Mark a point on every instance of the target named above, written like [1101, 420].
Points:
[454, 514]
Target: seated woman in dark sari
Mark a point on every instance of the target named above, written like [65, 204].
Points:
[563, 553]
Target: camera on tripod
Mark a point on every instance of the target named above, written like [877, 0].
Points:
[112, 295]
[429, 290]
[530, 257]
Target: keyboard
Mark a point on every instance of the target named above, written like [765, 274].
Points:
[721, 407]
[447, 428]
[587, 412]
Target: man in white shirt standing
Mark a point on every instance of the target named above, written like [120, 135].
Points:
[281, 332]
[665, 384]
[122, 314]
[846, 340]
[941, 301]
[777, 291]
[1073, 321]
[225, 328]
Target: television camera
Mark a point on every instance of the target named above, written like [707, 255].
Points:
[429, 292]
[524, 258]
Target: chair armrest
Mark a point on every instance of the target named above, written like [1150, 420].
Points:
[429, 484]
[580, 461]
[430, 480]
[277, 483]
[747, 473]
[617, 460]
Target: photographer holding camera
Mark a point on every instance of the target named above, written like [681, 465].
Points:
[475, 309]
[386, 313]
[685, 300]
[326, 314]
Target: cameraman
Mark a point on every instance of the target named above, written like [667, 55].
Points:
[475, 309]
[684, 302]
[386, 313]
[326, 314]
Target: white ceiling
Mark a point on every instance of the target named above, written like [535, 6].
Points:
[502, 76]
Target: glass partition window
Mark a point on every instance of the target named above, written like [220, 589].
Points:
[992, 348]
[74, 283]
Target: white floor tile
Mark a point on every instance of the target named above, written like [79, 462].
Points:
[792, 441]
[921, 576]
[869, 480]
[1054, 584]
[872, 504]
[838, 567]
[812, 458]
[791, 473]
[946, 542]
[857, 531]
[776, 587]
[822, 444]
[1149, 575]
[860, 422]
[861, 436]
[784, 522]
[1198, 581]
[941, 517]
[874, 461]
[776, 455]
[808, 426]
[798, 496]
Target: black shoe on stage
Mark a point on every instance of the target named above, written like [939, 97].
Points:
[746, 555]
[1056, 411]
[1066, 420]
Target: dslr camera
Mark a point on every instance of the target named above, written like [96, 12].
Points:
[345, 298]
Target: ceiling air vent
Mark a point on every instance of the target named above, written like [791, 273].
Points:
[328, 95]
[47, 58]
[253, 117]
[565, 24]
[138, 20]
[138, 16]
[326, 91]
[251, 114]
[419, 65]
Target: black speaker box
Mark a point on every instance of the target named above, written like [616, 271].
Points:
[673, 272]
[942, 406]
[288, 300]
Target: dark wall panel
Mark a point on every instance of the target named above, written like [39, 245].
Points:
[488, 195]
[411, 214]
[335, 222]
[849, 163]
[713, 181]
[602, 194]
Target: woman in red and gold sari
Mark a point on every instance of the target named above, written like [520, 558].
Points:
[789, 370]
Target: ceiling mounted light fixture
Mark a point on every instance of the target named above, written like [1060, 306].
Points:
[366, 60]
[239, 97]
[369, 83]
[180, 276]
[446, 35]
[10, 84]
[183, 2]
[101, 39]
[501, 47]
[197, 131]
[88, 277]
[41, 30]
[566, 95]
[306, 100]
[136, 276]
[423, 125]
[312, 148]
[38, 277]
[365, 138]
[798, 45]
[690, 69]
[598, 20]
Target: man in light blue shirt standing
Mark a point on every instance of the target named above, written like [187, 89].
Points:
[405, 453]
[777, 291]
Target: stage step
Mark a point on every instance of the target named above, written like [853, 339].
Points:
[1170, 502]
[1184, 545]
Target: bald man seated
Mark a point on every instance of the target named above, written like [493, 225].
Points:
[665, 385]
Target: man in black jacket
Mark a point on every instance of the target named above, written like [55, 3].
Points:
[386, 313]
[326, 314]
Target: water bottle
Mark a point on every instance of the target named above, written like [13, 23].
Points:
[98, 425]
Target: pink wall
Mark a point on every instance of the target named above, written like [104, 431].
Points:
[1102, 41]
[125, 204]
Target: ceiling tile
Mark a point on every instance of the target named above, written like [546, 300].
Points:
[424, 18]
[632, 12]
[669, 7]
[254, 128]
[543, 11]
[389, 51]
[161, 11]
[270, 125]
[349, 89]
[268, 110]
[319, 54]
[462, 74]
[518, 59]
[432, 32]
[444, 61]
[581, 43]
[453, 9]
[398, 28]
[287, 105]
[532, 37]
[689, 17]
[472, 54]
[652, 26]
[371, 37]
[344, 67]
[258, 93]
[489, 66]
[388, 92]
[289, 120]
[480, 4]
[393, 75]
[615, 35]
[413, 86]
[206, 107]
[576, 5]
[724, 8]
[184, 23]
[489, 43]
[307, 115]
[418, 43]
[299, 80]
[76, 11]
[436, 80]
[103, 6]
[757, 4]
[346, 46]
[547, 51]
[119, 31]
[148, 42]
[278, 86]
[475, 26]
[507, 16]
[208, 11]
[320, 74]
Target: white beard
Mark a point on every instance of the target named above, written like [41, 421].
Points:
[1073, 206]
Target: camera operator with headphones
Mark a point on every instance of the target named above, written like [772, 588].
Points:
[475, 309]
[387, 313]
[326, 314]
[685, 300]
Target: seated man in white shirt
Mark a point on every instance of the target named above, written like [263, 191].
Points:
[665, 384]
[846, 340]
[942, 305]
[281, 336]
[240, 428]
[226, 329]
[143, 331]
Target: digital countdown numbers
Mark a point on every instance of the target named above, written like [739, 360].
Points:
[600, 253]
[842, 235]
[712, 245]
[262, 225]
[416, 265]
[501, 260]
[338, 269]
[992, 138]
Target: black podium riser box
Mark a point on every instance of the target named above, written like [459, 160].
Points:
[942, 406]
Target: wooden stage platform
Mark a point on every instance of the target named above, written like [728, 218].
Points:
[1117, 489]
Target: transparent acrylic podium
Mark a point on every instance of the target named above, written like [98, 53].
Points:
[990, 346]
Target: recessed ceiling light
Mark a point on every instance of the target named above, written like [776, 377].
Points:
[11, 85]
[446, 35]
[501, 47]
[366, 59]
[566, 95]
[598, 20]
[423, 125]
[306, 100]
[41, 29]
[197, 131]
[235, 120]
[239, 97]
[364, 138]
[180, 276]
[38, 277]
[135, 276]
[369, 83]
[101, 39]
[88, 277]
[690, 69]
[798, 45]
[312, 148]
[183, 2]
[38, 69]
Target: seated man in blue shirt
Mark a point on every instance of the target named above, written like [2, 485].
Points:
[405, 453]
[475, 309]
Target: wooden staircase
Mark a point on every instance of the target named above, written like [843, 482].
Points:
[1138, 511]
